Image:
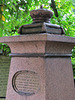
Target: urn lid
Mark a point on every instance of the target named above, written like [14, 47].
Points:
[41, 15]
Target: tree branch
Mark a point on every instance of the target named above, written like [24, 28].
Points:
[54, 8]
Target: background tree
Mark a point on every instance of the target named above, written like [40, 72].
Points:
[74, 6]
[14, 13]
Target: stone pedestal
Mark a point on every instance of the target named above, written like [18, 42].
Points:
[47, 55]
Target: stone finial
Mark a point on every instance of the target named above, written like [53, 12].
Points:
[41, 7]
[41, 15]
[41, 23]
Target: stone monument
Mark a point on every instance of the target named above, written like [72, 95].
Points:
[41, 66]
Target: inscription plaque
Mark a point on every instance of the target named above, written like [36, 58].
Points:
[26, 82]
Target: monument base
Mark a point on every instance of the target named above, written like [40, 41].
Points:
[55, 77]
[48, 57]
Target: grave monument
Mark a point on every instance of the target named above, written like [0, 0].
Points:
[41, 66]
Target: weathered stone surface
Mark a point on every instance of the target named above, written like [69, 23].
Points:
[4, 72]
[55, 73]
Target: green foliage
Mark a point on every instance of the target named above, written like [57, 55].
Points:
[16, 13]
[66, 17]
[74, 6]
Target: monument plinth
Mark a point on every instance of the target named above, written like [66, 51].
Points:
[40, 67]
